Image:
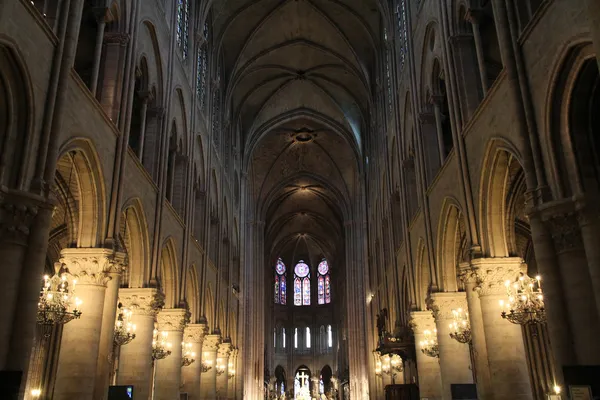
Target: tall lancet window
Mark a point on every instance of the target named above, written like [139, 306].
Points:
[280, 283]
[301, 284]
[324, 283]
[183, 22]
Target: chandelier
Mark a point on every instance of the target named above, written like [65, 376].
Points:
[220, 367]
[206, 364]
[55, 306]
[160, 346]
[124, 329]
[230, 371]
[188, 355]
[429, 346]
[461, 329]
[388, 364]
[525, 301]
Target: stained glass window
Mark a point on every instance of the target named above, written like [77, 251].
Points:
[295, 338]
[307, 337]
[280, 283]
[183, 17]
[284, 339]
[302, 284]
[329, 336]
[323, 283]
[202, 66]
[402, 32]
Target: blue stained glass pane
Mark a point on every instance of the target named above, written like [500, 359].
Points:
[276, 290]
[301, 269]
[321, 290]
[283, 290]
[306, 292]
[323, 267]
[297, 292]
[327, 290]
[280, 267]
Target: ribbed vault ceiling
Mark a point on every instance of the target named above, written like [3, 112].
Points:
[299, 85]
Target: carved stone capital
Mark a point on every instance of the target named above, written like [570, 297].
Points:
[17, 213]
[195, 333]
[211, 343]
[421, 321]
[145, 301]
[116, 38]
[91, 266]
[442, 304]
[224, 350]
[172, 319]
[493, 272]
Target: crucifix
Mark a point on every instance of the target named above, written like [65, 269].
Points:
[302, 377]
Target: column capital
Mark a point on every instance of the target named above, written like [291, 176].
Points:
[18, 210]
[90, 266]
[195, 333]
[493, 272]
[172, 319]
[224, 350]
[116, 38]
[211, 343]
[143, 301]
[443, 303]
[421, 321]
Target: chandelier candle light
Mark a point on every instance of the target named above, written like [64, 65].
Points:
[429, 346]
[220, 367]
[206, 364]
[230, 371]
[160, 346]
[58, 304]
[525, 301]
[188, 356]
[461, 329]
[124, 329]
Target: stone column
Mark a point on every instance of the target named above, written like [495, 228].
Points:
[478, 343]
[593, 13]
[428, 368]
[455, 360]
[506, 353]
[223, 359]
[77, 362]
[146, 97]
[168, 370]
[135, 360]
[208, 380]
[437, 100]
[467, 74]
[102, 16]
[589, 222]
[110, 93]
[430, 145]
[473, 17]
[194, 334]
[232, 370]
[109, 315]
[576, 284]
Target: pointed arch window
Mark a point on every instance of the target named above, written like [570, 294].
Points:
[302, 284]
[280, 290]
[202, 69]
[183, 22]
[402, 33]
[323, 283]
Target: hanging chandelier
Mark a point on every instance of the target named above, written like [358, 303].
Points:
[160, 346]
[206, 364]
[188, 356]
[461, 329]
[230, 371]
[220, 367]
[525, 303]
[124, 329]
[57, 304]
[429, 346]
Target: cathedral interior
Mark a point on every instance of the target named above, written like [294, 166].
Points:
[300, 199]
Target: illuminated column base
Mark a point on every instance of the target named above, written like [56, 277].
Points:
[506, 352]
[135, 359]
[428, 368]
[223, 361]
[168, 370]
[194, 334]
[455, 361]
[208, 380]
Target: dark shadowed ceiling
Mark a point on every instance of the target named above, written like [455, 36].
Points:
[300, 83]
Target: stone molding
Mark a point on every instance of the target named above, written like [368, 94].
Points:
[493, 272]
[195, 333]
[211, 343]
[143, 301]
[443, 303]
[17, 213]
[172, 319]
[116, 38]
[421, 321]
[224, 350]
[90, 266]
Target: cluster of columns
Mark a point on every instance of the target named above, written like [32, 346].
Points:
[495, 359]
[87, 353]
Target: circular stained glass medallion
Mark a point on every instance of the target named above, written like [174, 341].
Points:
[323, 267]
[280, 267]
[301, 269]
